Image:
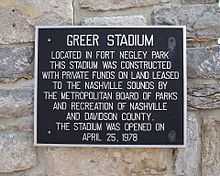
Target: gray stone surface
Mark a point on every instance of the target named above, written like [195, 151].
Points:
[211, 147]
[16, 152]
[203, 96]
[16, 62]
[39, 169]
[16, 100]
[18, 17]
[104, 5]
[188, 160]
[24, 124]
[109, 162]
[14, 27]
[201, 20]
[203, 62]
[137, 20]
[199, 1]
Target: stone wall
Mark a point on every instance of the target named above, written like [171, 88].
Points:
[18, 157]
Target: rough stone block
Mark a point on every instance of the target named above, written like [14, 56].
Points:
[201, 20]
[24, 124]
[104, 5]
[211, 146]
[188, 160]
[14, 27]
[16, 152]
[109, 162]
[115, 21]
[199, 1]
[203, 96]
[39, 169]
[16, 100]
[16, 62]
[18, 17]
[203, 62]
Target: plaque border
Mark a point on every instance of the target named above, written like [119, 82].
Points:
[37, 28]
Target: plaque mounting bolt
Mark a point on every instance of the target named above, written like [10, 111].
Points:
[49, 131]
[49, 40]
[172, 136]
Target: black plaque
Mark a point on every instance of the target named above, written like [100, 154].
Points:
[110, 86]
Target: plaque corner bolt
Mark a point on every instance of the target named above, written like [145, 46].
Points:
[49, 40]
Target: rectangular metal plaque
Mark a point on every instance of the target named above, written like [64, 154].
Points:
[110, 86]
